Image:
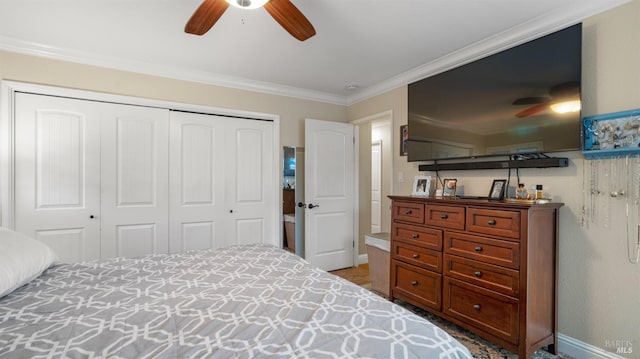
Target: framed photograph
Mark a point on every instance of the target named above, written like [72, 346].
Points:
[497, 190]
[449, 187]
[421, 186]
[404, 137]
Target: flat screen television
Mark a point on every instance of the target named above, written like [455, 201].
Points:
[500, 105]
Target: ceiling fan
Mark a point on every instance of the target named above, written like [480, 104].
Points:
[565, 94]
[283, 11]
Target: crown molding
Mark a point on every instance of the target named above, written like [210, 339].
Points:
[177, 73]
[514, 36]
[521, 33]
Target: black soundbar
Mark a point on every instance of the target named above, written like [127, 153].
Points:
[492, 165]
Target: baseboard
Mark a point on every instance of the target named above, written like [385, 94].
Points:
[363, 258]
[578, 349]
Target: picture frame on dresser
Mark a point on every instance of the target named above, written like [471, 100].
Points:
[421, 186]
[449, 187]
[496, 193]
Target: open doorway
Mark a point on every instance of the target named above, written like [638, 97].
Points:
[292, 195]
[381, 157]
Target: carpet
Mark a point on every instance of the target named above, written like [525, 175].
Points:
[479, 348]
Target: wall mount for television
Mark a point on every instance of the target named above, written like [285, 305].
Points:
[516, 162]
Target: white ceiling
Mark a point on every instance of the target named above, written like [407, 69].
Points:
[376, 45]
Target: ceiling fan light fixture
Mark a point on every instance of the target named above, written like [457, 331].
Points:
[247, 4]
[566, 106]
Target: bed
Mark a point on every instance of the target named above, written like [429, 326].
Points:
[247, 301]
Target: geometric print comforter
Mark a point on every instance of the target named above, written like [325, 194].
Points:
[251, 301]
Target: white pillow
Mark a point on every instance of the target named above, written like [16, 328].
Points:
[21, 259]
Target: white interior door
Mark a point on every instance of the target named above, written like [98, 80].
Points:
[329, 194]
[376, 186]
[222, 189]
[135, 148]
[57, 174]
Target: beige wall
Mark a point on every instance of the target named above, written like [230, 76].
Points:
[599, 296]
[292, 111]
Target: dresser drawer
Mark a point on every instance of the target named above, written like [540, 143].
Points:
[487, 250]
[417, 235]
[418, 256]
[419, 285]
[494, 313]
[500, 279]
[408, 212]
[494, 222]
[445, 216]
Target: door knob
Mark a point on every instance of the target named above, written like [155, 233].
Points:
[300, 204]
[311, 205]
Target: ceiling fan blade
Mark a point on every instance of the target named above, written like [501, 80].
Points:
[533, 110]
[530, 100]
[205, 16]
[565, 89]
[290, 18]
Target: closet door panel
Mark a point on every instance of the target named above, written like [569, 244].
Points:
[197, 173]
[136, 240]
[134, 181]
[136, 162]
[250, 194]
[57, 177]
[198, 235]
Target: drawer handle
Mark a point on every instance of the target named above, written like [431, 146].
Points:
[444, 216]
[476, 307]
[416, 256]
[478, 274]
[408, 212]
[415, 236]
[414, 283]
[492, 222]
[478, 249]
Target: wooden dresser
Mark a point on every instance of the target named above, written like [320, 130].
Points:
[489, 267]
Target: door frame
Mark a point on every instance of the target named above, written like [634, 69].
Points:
[8, 90]
[381, 117]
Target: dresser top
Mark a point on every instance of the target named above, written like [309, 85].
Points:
[520, 204]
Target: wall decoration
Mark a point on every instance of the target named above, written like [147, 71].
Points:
[611, 135]
[404, 137]
[611, 198]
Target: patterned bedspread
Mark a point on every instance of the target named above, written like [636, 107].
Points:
[239, 302]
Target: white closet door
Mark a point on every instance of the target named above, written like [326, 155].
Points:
[251, 197]
[221, 182]
[135, 150]
[57, 178]
[196, 196]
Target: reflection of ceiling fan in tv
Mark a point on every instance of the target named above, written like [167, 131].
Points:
[563, 98]
[283, 11]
